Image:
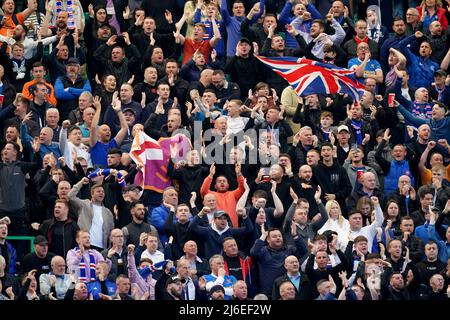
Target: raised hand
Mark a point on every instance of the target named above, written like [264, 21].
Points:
[431, 145]
[375, 201]
[293, 230]
[291, 30]
[293, 195]
[237, 169]
[193, 198]
[212, 170]
[112, 40]
[443, 143]
[168, 16]
[126, 13]
[386, 135]
[36, 145]
[317, 194]
[97, 102]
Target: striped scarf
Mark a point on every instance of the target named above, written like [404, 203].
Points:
[422, 110]
[82, 267]
[106, 172]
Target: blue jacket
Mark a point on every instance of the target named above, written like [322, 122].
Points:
[391, 42]
[440, 129]
[11, 267]
[286, 17]
[398, 168]
[96, 288]
[158, 219]
[213, 241]
[27, 141]
[421, 70]
[270, 262]
[422, 232]
[209, 34]
[233, 26]
[443, 246]
[72, 93]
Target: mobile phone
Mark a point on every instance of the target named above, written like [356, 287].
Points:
[354, 147]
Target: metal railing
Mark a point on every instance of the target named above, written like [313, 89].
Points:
[23, 238]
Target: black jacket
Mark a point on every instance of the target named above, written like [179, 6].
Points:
[245, 72]
[189, 179]
[305, 291]
[68, 242]
[121, 70]
[352, 200]
[333, 180]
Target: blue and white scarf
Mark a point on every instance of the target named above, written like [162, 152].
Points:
[82, 267]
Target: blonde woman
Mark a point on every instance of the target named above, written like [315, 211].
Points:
[336, 222]
[431, 10]
[189, 10]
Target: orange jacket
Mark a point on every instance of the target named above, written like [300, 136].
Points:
[27, 92]
[226, 200]
[427, 174]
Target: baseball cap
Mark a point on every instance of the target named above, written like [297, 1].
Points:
[40, 240]
[244, 39]
[343, 127]
[440, 72]
[73, 61]
[220, 213]
[173, 279]
[129, 109]
[215, 288]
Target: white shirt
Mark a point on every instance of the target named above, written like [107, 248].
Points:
[96, 231]
[189, 289]
[368, 231]
[334, 225]
[236, 125]
[66, 148]
[156, 257]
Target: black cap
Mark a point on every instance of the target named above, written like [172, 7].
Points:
[73, 61]
[220, 213]
[104, 25]
[440, 72]
[40, 240]
[244, 39]
[173, 279]
[129, 109]
[215, 288]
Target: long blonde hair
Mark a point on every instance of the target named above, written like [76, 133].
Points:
[328, 208]
[438, 3]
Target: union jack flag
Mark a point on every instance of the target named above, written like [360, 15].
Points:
[309, 77]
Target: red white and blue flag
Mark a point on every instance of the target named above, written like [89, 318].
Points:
[312, 77]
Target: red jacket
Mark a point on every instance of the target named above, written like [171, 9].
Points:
[441, 17]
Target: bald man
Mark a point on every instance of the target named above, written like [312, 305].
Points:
[368, 188]
[117, 254]
[287, 291]
[45, 140]
[100, 137]
[240, 291]
[57, 279]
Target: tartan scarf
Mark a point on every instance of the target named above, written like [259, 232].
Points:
[82, 267]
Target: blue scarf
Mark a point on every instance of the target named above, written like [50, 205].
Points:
[357, 125]
[82, 267]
